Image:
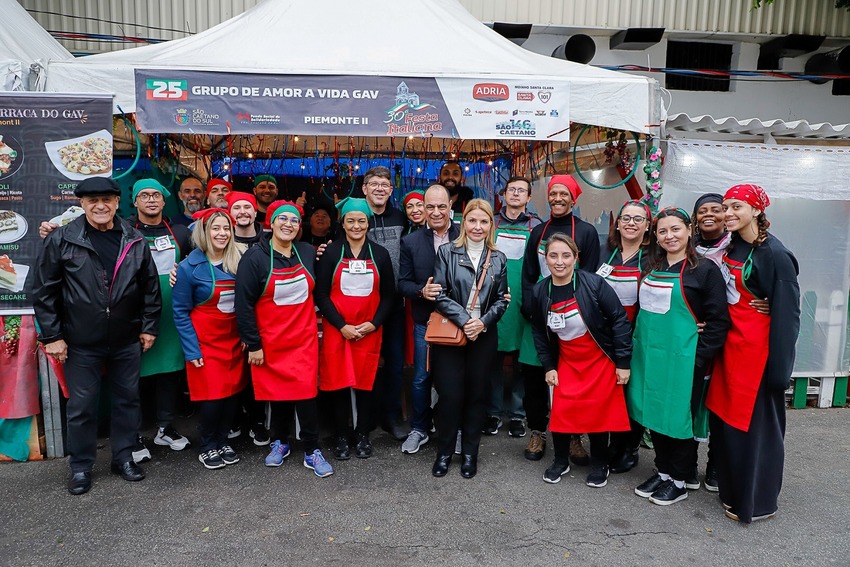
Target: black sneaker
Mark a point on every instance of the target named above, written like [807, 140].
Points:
[668, 493]
[692, 483]
[141, 454]
[228, 455]
[211, 459]
[598, 476]
[234, 433]
[556, 470]
[624, 462]
[516, 428]
[492, 425]
[363, 450]
[710, 479]
[259, 434]
[649, 486]
[342, 452]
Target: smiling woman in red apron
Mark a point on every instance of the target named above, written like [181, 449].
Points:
[624, 258]
[355, 288]
[671, 358]
[277, 323]
[747, 391]
[563, 192]
[583, 338]
[205, 316]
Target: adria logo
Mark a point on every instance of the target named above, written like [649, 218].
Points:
[490, 92]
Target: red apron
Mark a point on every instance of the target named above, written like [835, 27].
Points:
[286, 319]
[587, 398]
[355, 293]
[214, 321]
[738, 372]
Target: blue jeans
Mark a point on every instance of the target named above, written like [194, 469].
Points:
[513, 409]
[420, 389]
[388, 382]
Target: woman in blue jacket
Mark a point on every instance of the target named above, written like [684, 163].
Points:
[205, 316]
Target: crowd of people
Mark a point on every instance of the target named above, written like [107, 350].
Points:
[682, 325]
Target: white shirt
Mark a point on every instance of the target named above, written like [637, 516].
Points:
[474, 250]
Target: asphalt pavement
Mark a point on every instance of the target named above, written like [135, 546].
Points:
[388, 510]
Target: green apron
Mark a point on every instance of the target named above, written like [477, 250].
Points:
[166, 354]
[511, 241]
[665, 341]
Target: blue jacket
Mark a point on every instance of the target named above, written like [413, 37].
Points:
[194, 285]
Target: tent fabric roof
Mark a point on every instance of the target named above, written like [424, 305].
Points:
[755, 127]
[23, 42]
[434, 38]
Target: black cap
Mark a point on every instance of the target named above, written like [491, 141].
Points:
[97, 186]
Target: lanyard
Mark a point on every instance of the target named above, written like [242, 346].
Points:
[617, 249]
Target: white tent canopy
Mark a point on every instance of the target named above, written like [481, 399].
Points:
[24, 44]
[433, 38]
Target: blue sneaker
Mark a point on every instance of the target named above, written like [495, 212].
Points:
[317, 463]
[279, 451]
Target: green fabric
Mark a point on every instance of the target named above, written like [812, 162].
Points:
[14, 437]
[511, 325]
[143, 184]
[292, 209]
[166, 354]
[350, 205]
[661, 385]
[260, 178]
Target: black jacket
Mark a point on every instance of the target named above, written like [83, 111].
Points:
[416, 265]
[601, 310]
[456, 274]
[73, 301]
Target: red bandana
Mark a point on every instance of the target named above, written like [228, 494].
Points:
[204, 215]
[749, 193]
[568, 181]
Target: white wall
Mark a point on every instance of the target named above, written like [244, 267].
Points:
[784, 99]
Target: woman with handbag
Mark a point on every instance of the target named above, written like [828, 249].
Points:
[355, 289]
[473, 277]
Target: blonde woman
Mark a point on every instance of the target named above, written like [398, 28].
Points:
[205, 316]
[462, 374]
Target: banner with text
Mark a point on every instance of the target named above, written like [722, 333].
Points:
[48, 144]
[202, 102]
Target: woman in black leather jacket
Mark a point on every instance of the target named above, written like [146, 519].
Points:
[462, 374]
[584, 341]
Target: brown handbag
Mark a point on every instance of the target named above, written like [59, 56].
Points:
[441, 331]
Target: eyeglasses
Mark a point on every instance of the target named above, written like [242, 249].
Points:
[629, 218]
[294, 221]
[376, 185]
[516, 190]
[432, 208]
[145, 197]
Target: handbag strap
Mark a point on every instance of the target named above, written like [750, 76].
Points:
[481, 279]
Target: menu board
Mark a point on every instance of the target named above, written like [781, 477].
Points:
[48, 144]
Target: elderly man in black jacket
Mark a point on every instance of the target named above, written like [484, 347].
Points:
[98, 305]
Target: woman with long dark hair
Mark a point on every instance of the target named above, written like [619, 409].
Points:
[747, 391]
[671, 357]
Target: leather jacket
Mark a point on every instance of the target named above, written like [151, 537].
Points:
[599, 307]
[72, 300]
[458, 277]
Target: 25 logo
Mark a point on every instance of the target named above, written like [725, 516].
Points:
[159, 89]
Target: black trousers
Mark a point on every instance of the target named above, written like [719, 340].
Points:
[676, 457]
[536, 398]
[364, 399]
[598, 447]
[215, 419]
[627, 441]
[283, 414]
[462, 380]
[167, 390]
[84, 370]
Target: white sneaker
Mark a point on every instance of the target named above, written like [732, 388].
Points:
[415, 440]
[141, 454]
[168, 437]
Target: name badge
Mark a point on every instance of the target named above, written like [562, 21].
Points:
[162, 243]
[727, 275]
[605, 270]
[556, 321]
[357, 266]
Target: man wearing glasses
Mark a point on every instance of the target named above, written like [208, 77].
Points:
[386, 226]
[513, 228]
